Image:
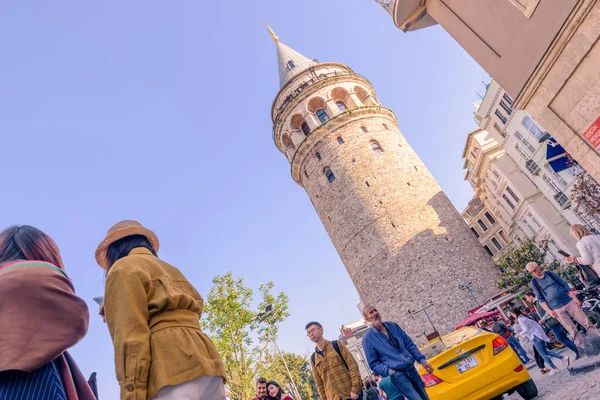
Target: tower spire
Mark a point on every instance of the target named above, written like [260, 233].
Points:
[291, 63]
[273, 35]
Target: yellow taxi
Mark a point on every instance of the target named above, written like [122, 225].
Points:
[473, 364]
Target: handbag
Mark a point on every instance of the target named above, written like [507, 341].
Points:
[588, 275]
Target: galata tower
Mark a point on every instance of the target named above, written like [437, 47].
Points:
[403, 243]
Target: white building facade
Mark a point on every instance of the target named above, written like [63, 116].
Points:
[521, 177]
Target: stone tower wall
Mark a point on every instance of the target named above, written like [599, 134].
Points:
[403, 243]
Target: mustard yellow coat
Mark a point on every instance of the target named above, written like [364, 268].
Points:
[153, 315]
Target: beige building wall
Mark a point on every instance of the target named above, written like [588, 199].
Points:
[402, 242]
[545, 53]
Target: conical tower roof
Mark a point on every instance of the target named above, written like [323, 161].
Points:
[290, 62]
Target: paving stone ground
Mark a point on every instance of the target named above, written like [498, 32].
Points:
[564, 386]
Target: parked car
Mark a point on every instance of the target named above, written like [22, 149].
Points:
[473, 364]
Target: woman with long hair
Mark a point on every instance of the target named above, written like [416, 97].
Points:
[588, 245]
[41, 317]
[153, 314]
[274, 390]
[535, 333]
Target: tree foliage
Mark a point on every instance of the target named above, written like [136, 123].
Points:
[512, 265]
[586, 195]
[243, 340]
[301, 372]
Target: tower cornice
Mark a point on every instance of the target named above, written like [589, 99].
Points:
[334, 123]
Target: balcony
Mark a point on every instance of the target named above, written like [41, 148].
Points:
[388, 6]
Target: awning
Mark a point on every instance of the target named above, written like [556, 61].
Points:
[472, 319]
[557, 157]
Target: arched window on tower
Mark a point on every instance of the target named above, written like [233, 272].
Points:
[291, 65]
[376, 147]
[385, 127]
[329, 174]
[318, 156]
[340, 140]
[305, 128]
[341, 105]
[322, 115]
[364, 129]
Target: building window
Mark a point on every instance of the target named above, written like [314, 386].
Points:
[385, 127]
[482, 225]
[504, 237]
[364, 129]
[291, 65]
[501, 116]
[506, 107]
[475, 152]
[561, 198]
[508, 99]
[340, 140]
[535, 221]
[532, 127]
[319, 156]
[496, 243]
[531, 166]
[471, 181]
[329, 174]
[512, 194]
[508, 201]
[376, 147]
[322, 115]
[490, 218]
[495, 173]
[475, 232]
[341, 105]
[500, 130]
[305, 128]
[488, 250]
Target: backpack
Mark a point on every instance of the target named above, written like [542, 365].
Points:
[587, 274]
[336, 347]
[372, 394]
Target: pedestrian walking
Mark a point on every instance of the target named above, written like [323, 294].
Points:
[534, 332]
[501, 329]
[41, 318]
[153, 313]
[528, 345]
[391, 352]
[371, 391]
[588, 245]
[553, 324]
[557, 298]
[335, 370]
[275, 391]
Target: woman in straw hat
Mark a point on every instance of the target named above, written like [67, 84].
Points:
[40, 317]
[153, 314]
[588, 245]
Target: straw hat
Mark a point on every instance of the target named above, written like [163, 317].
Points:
[119, 231]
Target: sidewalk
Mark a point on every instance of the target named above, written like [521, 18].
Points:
[564, 385]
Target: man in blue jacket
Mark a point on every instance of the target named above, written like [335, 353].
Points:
[391, 352]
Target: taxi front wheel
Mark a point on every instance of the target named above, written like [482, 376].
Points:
[527, 390]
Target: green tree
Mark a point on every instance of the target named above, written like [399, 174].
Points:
[512, 265]
[299, 366]
[243, 341]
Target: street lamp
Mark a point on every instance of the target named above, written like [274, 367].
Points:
[261, 317]
[467, 287]
[424, 310]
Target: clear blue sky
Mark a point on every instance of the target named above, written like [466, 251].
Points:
[159, 111]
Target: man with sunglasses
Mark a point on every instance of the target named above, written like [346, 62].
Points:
[557, 298]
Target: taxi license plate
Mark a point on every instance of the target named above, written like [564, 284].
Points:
[466, 364]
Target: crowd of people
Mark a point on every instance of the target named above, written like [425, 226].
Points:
[152, 313]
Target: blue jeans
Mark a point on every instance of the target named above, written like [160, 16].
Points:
[540, 345]
[516, 346]
[559, 333]
[410, 383]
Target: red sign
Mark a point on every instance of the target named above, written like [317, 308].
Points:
[592, 134]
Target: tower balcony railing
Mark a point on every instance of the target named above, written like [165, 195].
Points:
[388, 5]
[305, 85]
